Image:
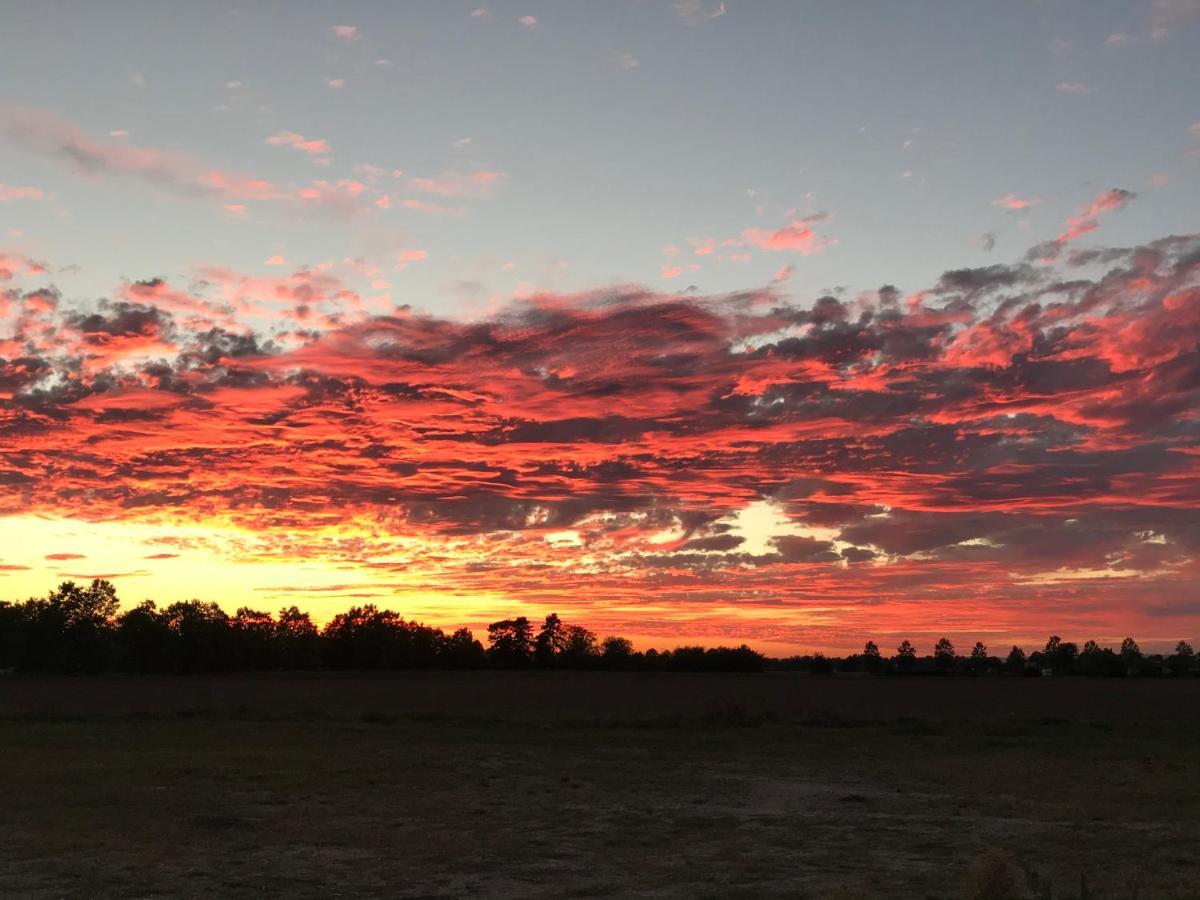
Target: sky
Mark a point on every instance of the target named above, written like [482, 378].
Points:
[791, 323]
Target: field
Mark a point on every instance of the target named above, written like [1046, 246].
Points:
[599, 784]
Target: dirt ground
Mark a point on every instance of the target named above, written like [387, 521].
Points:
[602, 784]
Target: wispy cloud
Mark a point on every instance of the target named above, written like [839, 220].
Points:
[311, 146]
[696, 11]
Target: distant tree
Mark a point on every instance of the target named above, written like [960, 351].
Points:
[201, 637]
[579, 646]
[1183, 659]
[510, 642]
[906, 656]
[943, 654]
[71, 630]
[254, 635]
[12, 634]
[617, 652]
[297, 642]
[1131, 655]
[144, 640]
[550, 641]
[979, 657]
[462, 651]
[872, 661]
[1058, 655]
[1015, 663]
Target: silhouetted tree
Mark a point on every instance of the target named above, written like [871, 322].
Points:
[872, 661]
[906, 656]
[145, 640]
[943, 654]
[254, 635]
[202, 639]
[12, 634]
[579, 646]
[297, 642]
[1058, 655]
[1015, 662]
[72, 630]
[979, 658]
[1131, 655]
[510, 643]
[549, 641]
[1182, 660]
[462, 651]
[617, 652]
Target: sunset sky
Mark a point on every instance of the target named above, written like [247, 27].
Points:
[791, 323]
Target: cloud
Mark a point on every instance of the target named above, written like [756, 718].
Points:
[625, 60]
[1013, 202]
[346, 32]
[455, 184]
[311, 146]
[10, 192]
[432, 209]
[797, 236]
[49, 136]
[1074, 87]
[530, 22]
[696, 11]
[1089, 220]
[1165, 14]
[1013, 441]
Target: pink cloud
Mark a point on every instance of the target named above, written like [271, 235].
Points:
[528, 21]
[796, 236]
[1088, 220]
[336, 83]
[276, 260]
[311, 146]
[1013, 202]
[47, 135]
[454, 184]
[412, 255]
[10, 192]
[672, 271]
[346, 32]
[432, 209]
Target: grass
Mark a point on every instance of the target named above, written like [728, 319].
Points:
[558, 785]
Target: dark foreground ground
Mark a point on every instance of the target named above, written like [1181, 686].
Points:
[602, 784]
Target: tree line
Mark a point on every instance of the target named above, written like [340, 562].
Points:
[1057, 657]
[81, 629]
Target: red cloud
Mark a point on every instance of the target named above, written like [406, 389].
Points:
[1007, 447]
